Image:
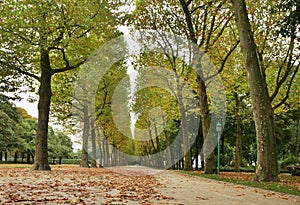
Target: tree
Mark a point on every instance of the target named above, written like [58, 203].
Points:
[60, 145]
[289, 25]
[44, 38]
[177, 104]
[204, 24]
[156, 128]
[112, 115]
[29, 126]
[235, 80]
[11, 82]
[267, 167]
[92, 103]
[10, 126]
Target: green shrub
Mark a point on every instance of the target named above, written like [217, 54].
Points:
[288, 161]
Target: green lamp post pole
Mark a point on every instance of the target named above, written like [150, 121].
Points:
[219, 130]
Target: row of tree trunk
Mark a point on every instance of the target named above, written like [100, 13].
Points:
[23, 155]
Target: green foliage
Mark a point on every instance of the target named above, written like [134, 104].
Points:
[112, 109]
[10, 126]
[288, 136]
[29, 127]
[71, 30]
[288, 161]
[11, 81]
[70, 161]
[147, 105]
[17, 133]
[290, 24]
[59, 145]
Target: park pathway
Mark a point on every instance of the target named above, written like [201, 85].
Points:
[186, 189]
[133, 185]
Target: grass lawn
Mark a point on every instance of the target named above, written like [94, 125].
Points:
[288, 184]
[11, 166]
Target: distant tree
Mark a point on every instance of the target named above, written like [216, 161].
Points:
[204, 24]
[10, 126]
[60, 145]
[29, 126]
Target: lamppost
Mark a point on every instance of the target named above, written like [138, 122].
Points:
[219, 130]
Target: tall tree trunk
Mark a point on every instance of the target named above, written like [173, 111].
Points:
[112, 157]
[16, 157]
[85, 138]
[101, 153]
[41, 147]
[267, 164]
[169, 153]
[238, 145]
[297, 137]
[152, 160]
[197, 150]
[152, 142]
[210, 162]
[28, 154]
[93, 139]
[187, 165]
[1, 156]
[209, 158]
[101, 162]
[107, 155]
[22, 156]
[160, 160]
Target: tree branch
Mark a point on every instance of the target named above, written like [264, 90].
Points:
[280, 82]
[85, 32]
[224, 60]
[189, 2]
[198, 7]
[63, 53]
[204, 28]
[22, 37]
[189, 22]
[9, 64]
[60, 37]
[28, 74]
[222, 29]
[228, 55]
[288, 89]
[68, 67]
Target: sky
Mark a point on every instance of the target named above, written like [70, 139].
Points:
[30, 107]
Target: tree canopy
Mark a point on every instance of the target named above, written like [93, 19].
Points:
[252, 46]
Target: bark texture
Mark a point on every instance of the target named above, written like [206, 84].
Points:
[93, 140]
[209, 161]
[267, 165]
[238, 145]
[41, 148]
[85, 137]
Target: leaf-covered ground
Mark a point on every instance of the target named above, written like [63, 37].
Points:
[285, 179]
[126, 185]
[74, 185]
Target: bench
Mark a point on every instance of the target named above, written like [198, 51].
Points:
[294, 169]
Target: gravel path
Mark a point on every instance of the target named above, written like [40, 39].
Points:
[186, 189]
[126, 185]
